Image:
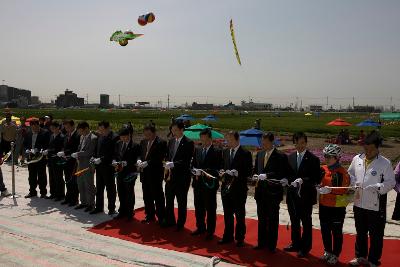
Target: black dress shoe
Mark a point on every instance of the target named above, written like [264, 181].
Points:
[224, 241]
[302, 254]
[65, 202]
[209, 237]
[49, 197]
[43, 196]
[119, 216]
[259, 247]
[197, 232]
[30, 195]
[178, 228]
[88, 208]
[272, 250]
[112, 212]
[96, 211]
[148, 220]
[58, 199]
[291, 248]
[80, 206]
[72, 204]
[240, 244]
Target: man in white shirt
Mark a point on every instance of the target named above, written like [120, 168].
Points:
[373, 175]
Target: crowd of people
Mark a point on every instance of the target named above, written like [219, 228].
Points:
[81, 164]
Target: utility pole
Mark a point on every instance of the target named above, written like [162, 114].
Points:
[119, 100]
[353, 102]
[168, 103]
[87, 99]
[327, 102]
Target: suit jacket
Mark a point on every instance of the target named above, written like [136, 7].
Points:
[277, 168]
[105, 148]
[42, 140]
[212, 163]
[71, 143]
[86, 150]
[310, 171]
[154, 157]
[243, 163]
[181, 172]
[56, 144]
[130, 155]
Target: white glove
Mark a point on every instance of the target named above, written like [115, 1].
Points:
[97, 161]
[144, 164]
[235, 173]
[139, 163]
[284, 182]
[114, 163]
[34, 150]
[169, 165]
[60, 154]
[27, 151]
[296, 183]
[374, 187]
[221, 172]
[196, 172]
[124, 163]
[74, 155]
[45, 152]
[262, 177]
[228, 172]
[324, 190]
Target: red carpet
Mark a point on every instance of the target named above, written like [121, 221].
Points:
[153, 235]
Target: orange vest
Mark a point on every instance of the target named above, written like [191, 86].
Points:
[337, 177]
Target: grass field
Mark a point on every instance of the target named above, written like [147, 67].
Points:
[287, 122]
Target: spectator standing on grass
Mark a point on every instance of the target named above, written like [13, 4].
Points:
[396, 212]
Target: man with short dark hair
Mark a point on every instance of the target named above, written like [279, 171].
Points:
[237, 168]
[86, 150]
[56, 144]
[180, 153]
[69, 164]
[153, 151]
[207, 162]
[104, 170]
[305, 174]
[36, 141]
[125, 157]
[271, 171]
[373, 176]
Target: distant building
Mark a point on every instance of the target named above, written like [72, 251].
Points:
[18, 97]
[369, 109]
[230, 105]
[35, 100]
[256, 106]
[315, 108]
[104, 101]
[198, 106]
[69, 99]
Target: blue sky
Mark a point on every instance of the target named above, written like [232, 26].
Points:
[308, 49]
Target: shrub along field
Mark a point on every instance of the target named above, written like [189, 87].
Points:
[282, 122]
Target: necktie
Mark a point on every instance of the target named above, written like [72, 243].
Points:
[148, 148]
[299, 158]
[123, 149]
[232, 155]
[176, 147]
[203, 154]
[266, 158]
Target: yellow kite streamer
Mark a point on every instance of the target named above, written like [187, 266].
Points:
[234, 43]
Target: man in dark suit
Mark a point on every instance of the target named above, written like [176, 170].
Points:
[104, 170]
[271, 170]
[180, 153]
[71, 144]
[125, 158]
[56, 144]
[208, 159]
[35, 142]
[153, 151]
[238, 166]
[302, 194]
